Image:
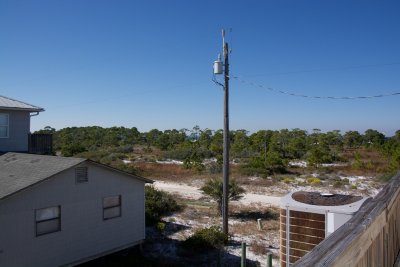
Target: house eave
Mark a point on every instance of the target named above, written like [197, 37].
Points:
[23, 109]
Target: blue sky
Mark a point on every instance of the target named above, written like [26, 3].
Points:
[148, 64]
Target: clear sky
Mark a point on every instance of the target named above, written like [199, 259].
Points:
[148, 64]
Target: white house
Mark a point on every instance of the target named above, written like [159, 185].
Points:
[15, 118]
[57, 211]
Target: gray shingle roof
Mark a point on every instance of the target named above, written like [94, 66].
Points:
[9, 103]
[18, 171]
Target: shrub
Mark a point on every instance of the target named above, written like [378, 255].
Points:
[207, 238]
[72, 149]
[116, 156]
[179, 153]
[263, 165]
[158, 204]
[124, 149]
[124, 167]
[161, 227]
[94, 154]
[258, 248]
[214, 167]
[313, 181]
[287, 180]
[358, 165]
[337, 183]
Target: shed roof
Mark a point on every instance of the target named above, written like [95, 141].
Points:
[9, 103]
[19, 171]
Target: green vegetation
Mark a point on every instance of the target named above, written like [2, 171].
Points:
[214, 189]
[205, 239]
[158, 204]
[262, 153]
[313, 181]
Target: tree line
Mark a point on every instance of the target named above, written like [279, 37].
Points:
[270, 150]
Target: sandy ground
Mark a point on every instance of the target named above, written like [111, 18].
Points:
[250, 199]
[192, 192]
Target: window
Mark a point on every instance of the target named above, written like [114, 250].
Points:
[111, 207]
[3, 125]
[81, 174]
[48, 220]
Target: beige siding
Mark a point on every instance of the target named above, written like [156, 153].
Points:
[83, 233]
[19, 127]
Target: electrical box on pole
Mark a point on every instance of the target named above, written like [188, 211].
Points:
[218, 65]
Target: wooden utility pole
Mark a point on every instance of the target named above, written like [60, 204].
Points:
[225, 198]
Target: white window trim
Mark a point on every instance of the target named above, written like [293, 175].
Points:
[57, 218]
[119, 205]
[6, 125]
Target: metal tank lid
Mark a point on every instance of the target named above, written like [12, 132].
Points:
[322, 202]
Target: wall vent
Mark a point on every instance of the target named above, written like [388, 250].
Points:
[81, 175]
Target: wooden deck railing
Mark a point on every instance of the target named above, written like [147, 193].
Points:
[370, 238]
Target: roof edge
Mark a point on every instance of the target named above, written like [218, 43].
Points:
[146, 180]
[23, 109]
[34, 108]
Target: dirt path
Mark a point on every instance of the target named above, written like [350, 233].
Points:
[195, 193]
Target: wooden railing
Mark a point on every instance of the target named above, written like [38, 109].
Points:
[40, 144]
[370, 238]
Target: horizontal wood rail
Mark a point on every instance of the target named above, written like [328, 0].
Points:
[370, 238]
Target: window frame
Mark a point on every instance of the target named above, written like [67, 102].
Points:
[37, 222]
[119, 205]
[7, 126]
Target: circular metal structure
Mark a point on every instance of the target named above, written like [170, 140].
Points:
[324, 199]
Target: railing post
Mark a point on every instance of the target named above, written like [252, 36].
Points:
[243, 263]
[269, 259]
[259, 225]
[219, 258]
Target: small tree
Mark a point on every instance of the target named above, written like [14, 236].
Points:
[158, 203]
[214, 189]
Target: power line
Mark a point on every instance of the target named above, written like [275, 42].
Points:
[326, 69]
[314, 97]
